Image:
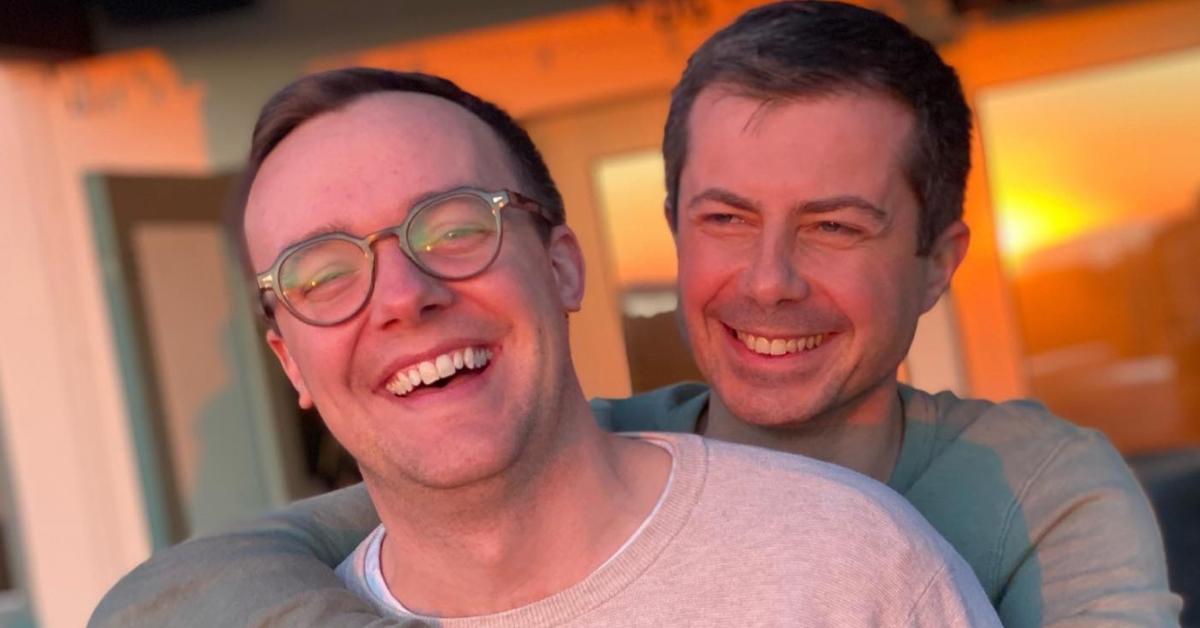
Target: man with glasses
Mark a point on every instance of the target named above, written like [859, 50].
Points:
[414, 264]
[816, 157]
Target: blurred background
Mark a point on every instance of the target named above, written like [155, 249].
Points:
[137, 403]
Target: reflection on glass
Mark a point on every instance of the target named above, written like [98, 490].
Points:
[642, 260]
[1096, 185]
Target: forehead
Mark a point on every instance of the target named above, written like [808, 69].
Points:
[361, 167]
[846, 142]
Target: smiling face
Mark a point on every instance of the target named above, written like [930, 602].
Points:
[489, 353]
[799, 282]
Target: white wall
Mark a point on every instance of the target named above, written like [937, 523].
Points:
[72, 466]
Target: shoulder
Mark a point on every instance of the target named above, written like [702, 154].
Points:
[672, 408]
[796, 517]
[1022, 436]
[981, 419]
[793, 490]
[1007, 481]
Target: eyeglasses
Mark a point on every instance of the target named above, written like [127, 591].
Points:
[328, 279]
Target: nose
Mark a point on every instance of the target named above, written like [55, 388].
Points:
[403, 294]
[772, 277]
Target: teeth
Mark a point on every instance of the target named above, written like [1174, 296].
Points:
[779, 346]
[429, 371]
[445, 366]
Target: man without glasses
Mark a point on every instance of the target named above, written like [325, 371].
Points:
[816, 158]
[413, 260]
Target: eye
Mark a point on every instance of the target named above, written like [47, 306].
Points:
[462, 232]
[830, 226]
[323, 280]
[833, 229]
[718, 218]
[726, 224]
[457, 238]
[833, 233]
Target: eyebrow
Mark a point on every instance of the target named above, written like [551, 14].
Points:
[319, 230]
[834, 203]
[327, 228]
[724, 197]
[815, 206]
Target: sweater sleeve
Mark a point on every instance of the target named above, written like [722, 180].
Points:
[276, 571]
[1098, 557]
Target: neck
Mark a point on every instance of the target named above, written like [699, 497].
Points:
[526, 533]
[863, 434]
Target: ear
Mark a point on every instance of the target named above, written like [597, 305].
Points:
[566, 260]
[279, 348]
[945, 255]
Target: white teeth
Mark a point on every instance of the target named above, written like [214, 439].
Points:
[429, 371]
[445, 366]
[399, 385]
[779, 346]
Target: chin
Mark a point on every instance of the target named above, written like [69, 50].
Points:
[455, 470]
[796, 405]
[771, 415]
[454, 460]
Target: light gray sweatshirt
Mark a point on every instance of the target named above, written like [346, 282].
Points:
[748, 537]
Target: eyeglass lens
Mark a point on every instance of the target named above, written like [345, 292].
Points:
[328, 280]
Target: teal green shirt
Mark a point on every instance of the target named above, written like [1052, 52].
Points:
[1047, 515]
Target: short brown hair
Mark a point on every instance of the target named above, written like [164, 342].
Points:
[325, 92]
[813, 48]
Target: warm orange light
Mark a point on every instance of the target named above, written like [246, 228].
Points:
[1029, 220]
[1094, 151]
[630, 192]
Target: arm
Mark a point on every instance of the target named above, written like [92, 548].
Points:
[1098, 555]
[276, 571]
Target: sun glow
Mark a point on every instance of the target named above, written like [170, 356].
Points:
[1097, 150]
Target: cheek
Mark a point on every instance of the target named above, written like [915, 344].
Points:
[323, 357]
[877, 297]
[705, 272]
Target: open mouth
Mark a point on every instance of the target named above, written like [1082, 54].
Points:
[439, 372]
[764, 345]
